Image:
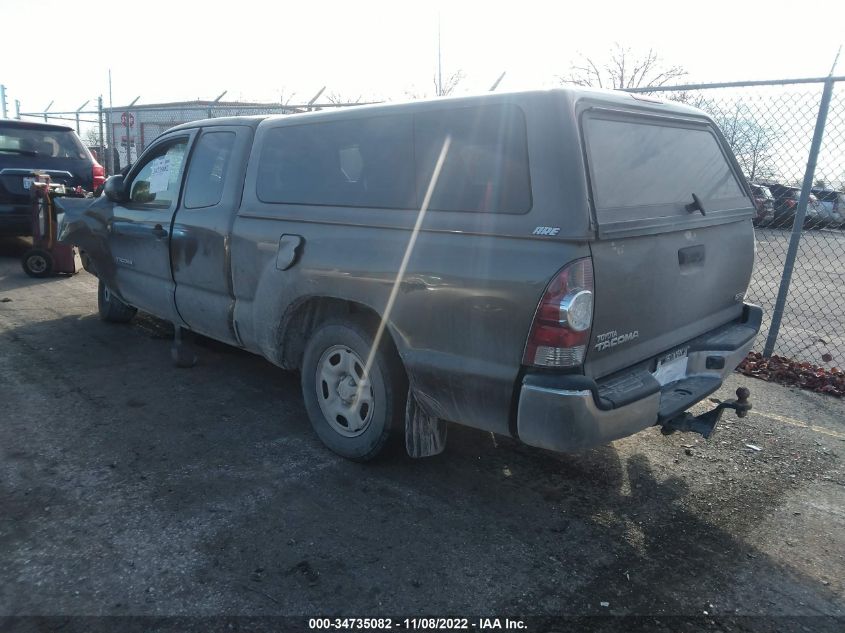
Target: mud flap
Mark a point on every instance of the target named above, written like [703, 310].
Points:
[182, 350]
[425, 434]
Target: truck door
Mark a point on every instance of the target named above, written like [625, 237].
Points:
[200, 246]
[139, 230]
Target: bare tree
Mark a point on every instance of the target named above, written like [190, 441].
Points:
[750, 140]
[91, 137]
[449, 84]
[286, 96]
[337, 98]
[756, 157]
[750, 136]
[622, 69]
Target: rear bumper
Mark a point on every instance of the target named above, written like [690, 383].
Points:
[571, 413]
[764, 216]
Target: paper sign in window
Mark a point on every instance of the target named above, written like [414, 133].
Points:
[159, 174]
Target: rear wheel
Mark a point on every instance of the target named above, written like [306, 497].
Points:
[37, 263]
[111, 308]
[353, 410]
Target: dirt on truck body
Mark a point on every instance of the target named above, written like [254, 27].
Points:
[564, 267]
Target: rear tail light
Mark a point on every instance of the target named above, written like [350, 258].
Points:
[561, 328]
[790, 203]
[98, 175]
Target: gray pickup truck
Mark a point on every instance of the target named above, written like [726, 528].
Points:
[567, 267]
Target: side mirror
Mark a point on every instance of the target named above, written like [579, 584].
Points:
[114, 189]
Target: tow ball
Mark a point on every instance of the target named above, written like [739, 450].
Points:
[706, 422]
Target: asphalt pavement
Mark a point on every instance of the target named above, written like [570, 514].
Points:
[131, 487]
[813, 324]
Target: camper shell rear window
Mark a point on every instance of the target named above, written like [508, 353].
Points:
[644, 170]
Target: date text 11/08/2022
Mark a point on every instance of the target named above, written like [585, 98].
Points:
[418, 624]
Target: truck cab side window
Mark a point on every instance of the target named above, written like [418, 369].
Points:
[486, 168]
[207, 171]
[360, 162]
[156, 185]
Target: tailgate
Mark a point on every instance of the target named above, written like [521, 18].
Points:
[668, 265]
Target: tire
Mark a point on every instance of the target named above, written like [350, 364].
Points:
[87, 263]
[37, 263]
[354, 425]
[112, 309]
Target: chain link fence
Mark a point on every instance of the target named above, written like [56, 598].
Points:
[118, 135]
[789, 139]
[130, 129]
[788, 136]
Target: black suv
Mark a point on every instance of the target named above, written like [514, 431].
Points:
[786, 205]
[29, 148]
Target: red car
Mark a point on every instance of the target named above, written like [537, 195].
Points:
[764, 202]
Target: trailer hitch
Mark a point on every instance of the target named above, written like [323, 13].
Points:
[706, 422]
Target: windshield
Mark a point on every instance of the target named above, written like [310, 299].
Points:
[40, 142]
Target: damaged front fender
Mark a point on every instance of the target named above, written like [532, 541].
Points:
[86, 224]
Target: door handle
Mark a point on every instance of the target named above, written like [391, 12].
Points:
[136, 229]
[691, 255]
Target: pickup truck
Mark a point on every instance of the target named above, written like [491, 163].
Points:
[566, 267]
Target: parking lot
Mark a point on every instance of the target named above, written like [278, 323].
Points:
[130, 487]
[814, 319]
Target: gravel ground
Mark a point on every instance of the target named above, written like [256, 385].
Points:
[130, 487]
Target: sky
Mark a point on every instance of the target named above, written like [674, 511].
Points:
[265, 51]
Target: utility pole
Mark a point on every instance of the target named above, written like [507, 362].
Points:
[110, 131]
[3, 101]
[439, 61]
[128, 122]
[100, 121]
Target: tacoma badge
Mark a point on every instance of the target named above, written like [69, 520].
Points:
[613, 338]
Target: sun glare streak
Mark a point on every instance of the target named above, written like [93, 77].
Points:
[400, 275]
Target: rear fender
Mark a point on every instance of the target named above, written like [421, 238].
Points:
[279, 293]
